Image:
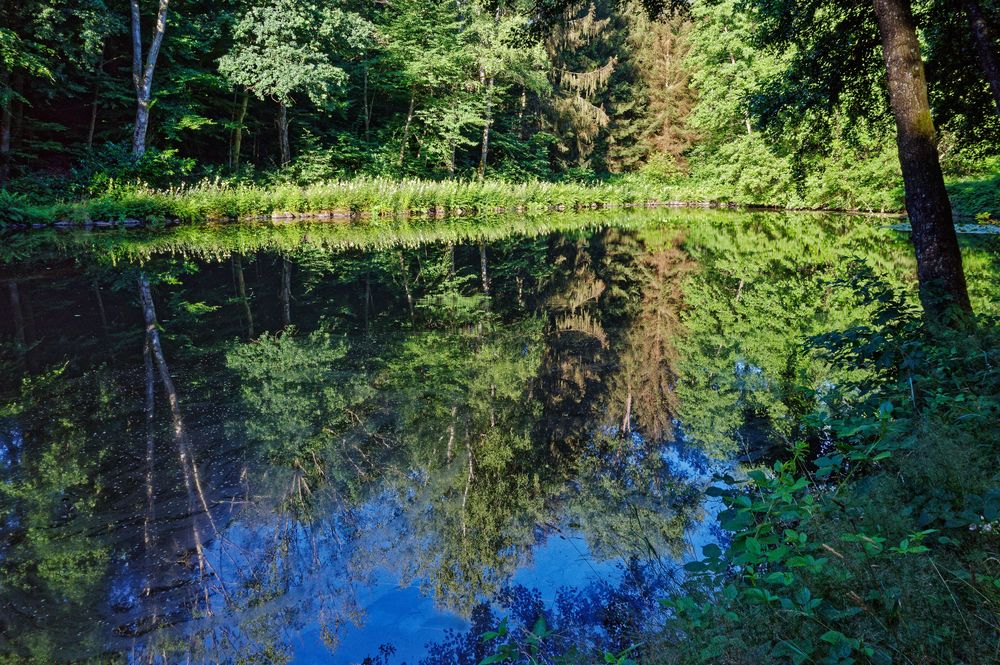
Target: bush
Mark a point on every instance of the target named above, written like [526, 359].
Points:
[114, 164]
[877, 547]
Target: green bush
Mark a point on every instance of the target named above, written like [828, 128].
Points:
[879, 545]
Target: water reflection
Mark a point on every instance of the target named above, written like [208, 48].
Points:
[279, 447]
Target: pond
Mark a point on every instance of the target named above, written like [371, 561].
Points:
[335, 442]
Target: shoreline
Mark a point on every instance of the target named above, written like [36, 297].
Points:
[343, 215]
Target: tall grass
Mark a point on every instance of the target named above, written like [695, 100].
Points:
[219, 200]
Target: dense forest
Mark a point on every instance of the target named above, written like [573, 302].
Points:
[769, 103]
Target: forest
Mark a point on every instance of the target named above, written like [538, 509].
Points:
[779, 104]
[517, 332]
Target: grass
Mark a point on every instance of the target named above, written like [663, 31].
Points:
[218, 200]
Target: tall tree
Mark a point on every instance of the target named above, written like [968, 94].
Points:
[939, 262]
[986, 47]
[851, 40]
[289, 47]
[143, 70]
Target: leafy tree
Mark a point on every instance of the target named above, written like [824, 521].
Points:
[289, 47]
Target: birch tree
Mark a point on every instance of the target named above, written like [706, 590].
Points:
[143, 69]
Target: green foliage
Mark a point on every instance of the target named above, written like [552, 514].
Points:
[289, 46]
[877, 547]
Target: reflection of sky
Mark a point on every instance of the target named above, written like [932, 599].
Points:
[369, 574]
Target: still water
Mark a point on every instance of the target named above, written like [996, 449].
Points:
[330, 442]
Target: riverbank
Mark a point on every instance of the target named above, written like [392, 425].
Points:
[383, 197]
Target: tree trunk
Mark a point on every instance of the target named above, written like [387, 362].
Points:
[17, 125]
[521, 129]
[366, 106]
[939, 262]
[286, 292]
[284, 146]
[142, 75]
[487, 125]
[241, 292]
[406, 128]
[6, 122]
[985, 47]
[92, 127]
[241, 115]
[732, 61]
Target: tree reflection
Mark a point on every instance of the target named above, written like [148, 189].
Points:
[432, 415]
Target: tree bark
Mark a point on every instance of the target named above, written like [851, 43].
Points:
[241, 115]
[284, 146]
[939, 262]
[6, 122]
[142, 74]
[366, 106]
[406, 128]
[985, 46]
[487, 125]
[92, 128]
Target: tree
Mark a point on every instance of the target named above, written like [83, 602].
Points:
[939, 262]
[986, 49]
[142, 71]
[833, 53]
[287, 47]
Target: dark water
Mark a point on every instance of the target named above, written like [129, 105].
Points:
[321, 443]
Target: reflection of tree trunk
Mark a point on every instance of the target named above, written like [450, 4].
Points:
[483, 270]
[286, 292]
[105, 326]
[468, 486]
[241, 292]
[983, 37]
[406, 284]
[20, 340]
[451, 435]
[368, 300]
[147, 356]
[189, 467]
[451, 259]
[627, 419]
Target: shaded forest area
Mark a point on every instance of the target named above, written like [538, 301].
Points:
[728, 100]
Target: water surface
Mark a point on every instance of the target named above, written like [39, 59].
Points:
[329, 442]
